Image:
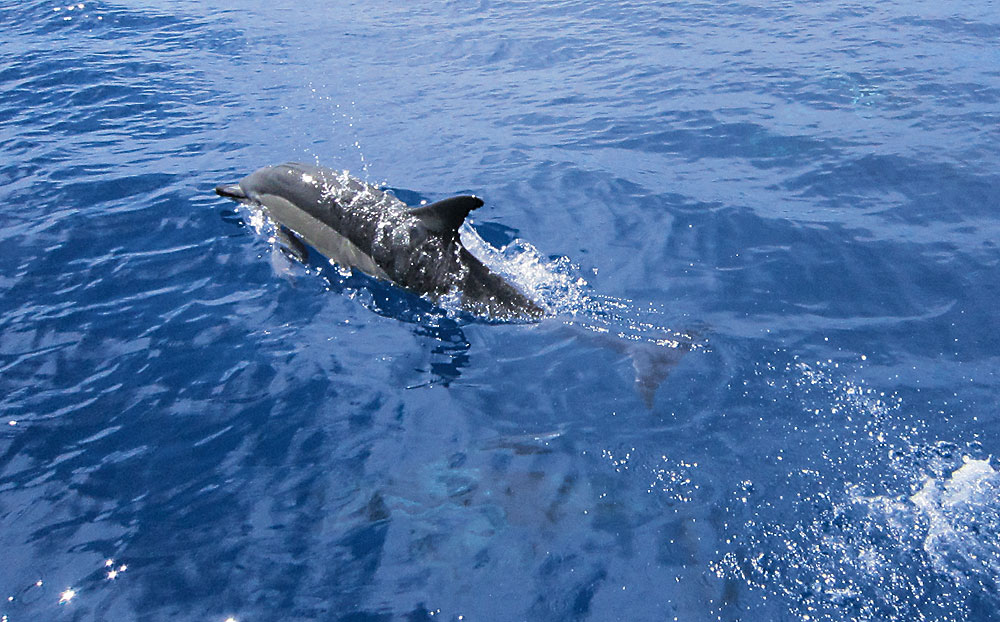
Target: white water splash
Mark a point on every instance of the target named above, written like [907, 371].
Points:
[551, 282]
[962, 518]
[885, 526]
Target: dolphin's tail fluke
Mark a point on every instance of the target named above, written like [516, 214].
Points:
[232, 191]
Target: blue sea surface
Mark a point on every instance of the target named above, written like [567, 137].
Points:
[767, 388]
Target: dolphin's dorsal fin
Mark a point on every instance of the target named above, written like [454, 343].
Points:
[448, 215]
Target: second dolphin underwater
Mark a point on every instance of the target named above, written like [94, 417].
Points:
[359, 226]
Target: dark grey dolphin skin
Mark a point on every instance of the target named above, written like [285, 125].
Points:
[359, 226]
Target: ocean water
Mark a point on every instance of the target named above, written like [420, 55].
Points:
[801, 197]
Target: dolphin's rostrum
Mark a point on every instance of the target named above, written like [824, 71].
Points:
[359, 226]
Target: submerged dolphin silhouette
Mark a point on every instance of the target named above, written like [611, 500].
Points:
[359, 226]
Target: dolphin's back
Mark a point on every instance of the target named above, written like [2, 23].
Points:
[321, 192]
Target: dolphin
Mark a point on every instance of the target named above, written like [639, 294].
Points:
[356, 225]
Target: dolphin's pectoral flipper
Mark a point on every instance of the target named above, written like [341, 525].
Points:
[447, 215]
[232, 191]
[291, 245]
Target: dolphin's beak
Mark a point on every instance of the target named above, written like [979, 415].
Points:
[232, 191]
